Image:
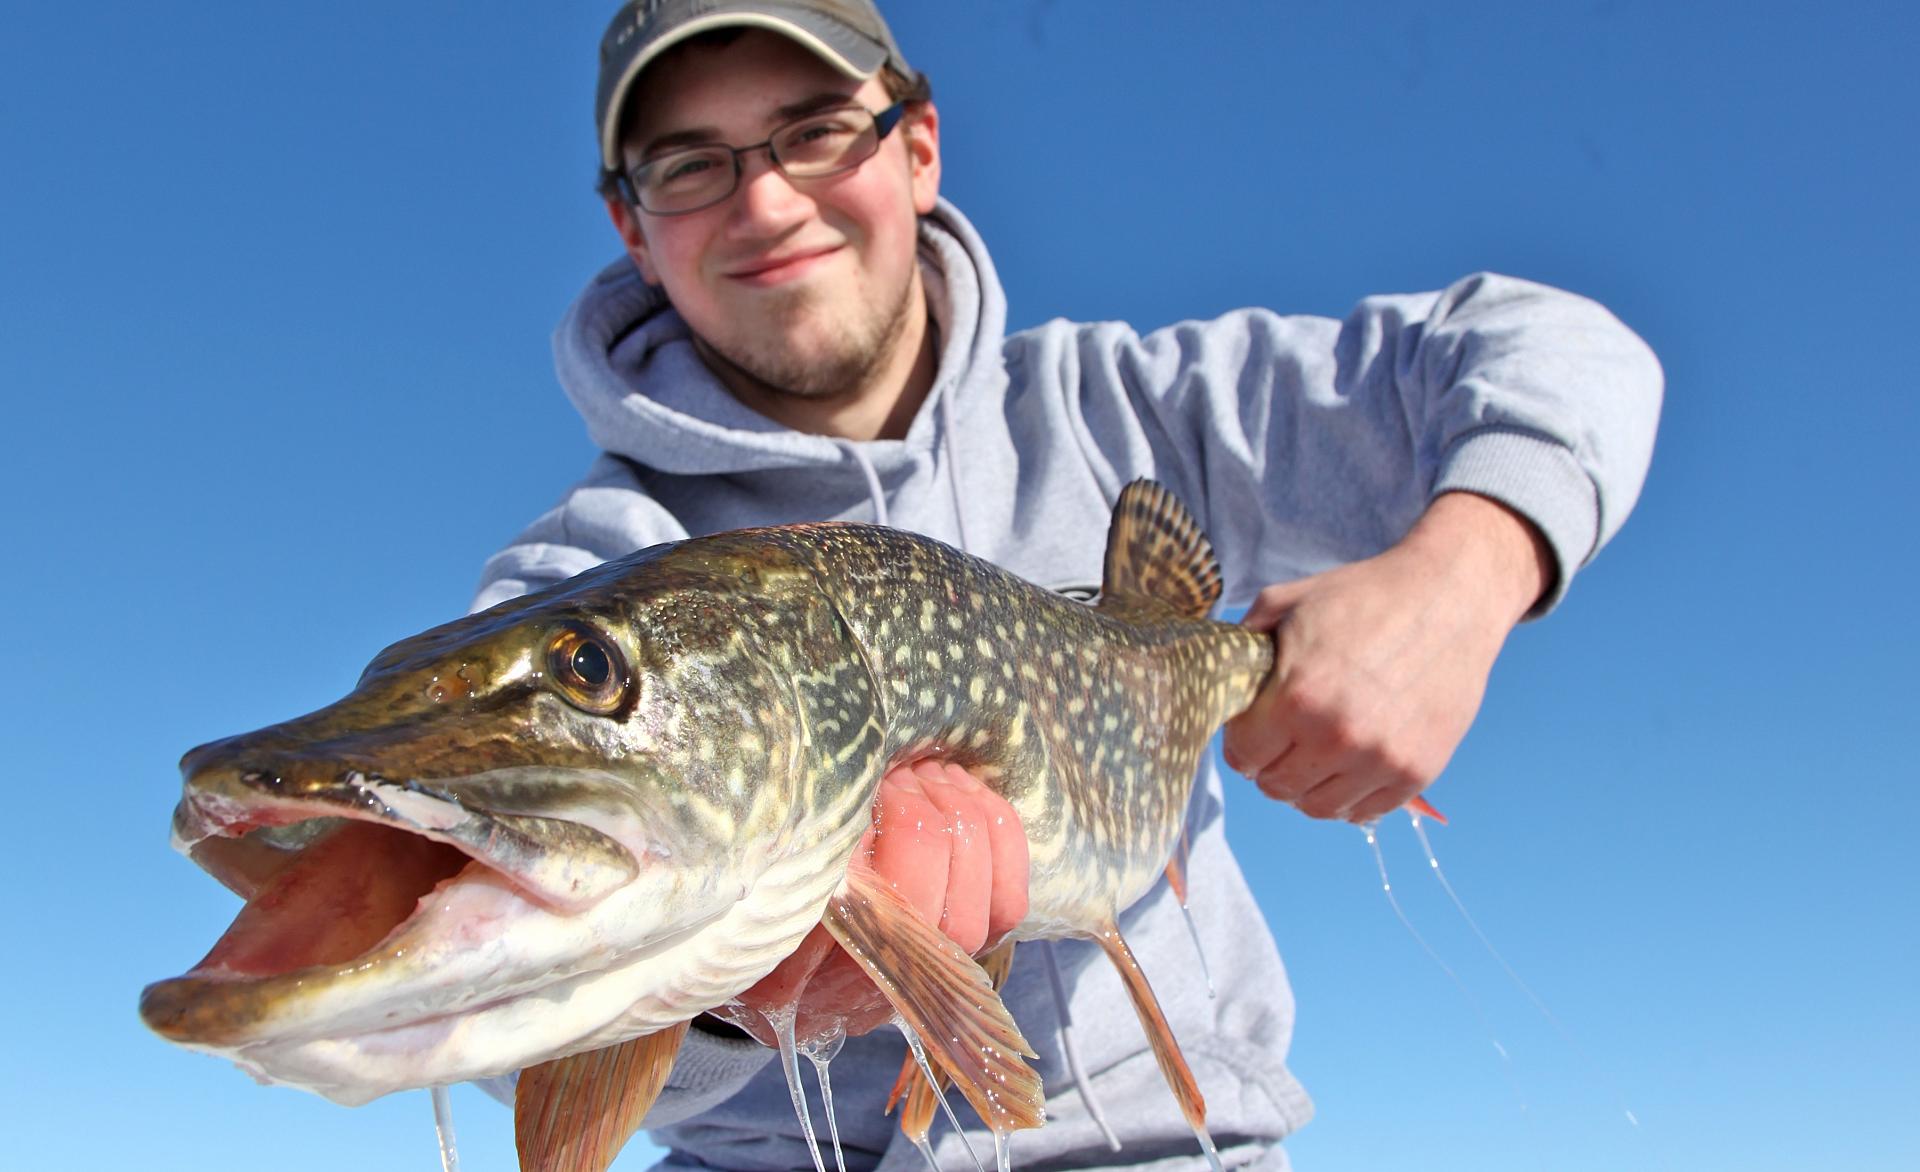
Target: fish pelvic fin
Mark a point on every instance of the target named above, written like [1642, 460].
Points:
[912, 1088]
[1173, 1064]
[943, 997]
[1157, 552]
[574, 1114]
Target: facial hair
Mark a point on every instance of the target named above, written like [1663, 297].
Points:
[857, 349]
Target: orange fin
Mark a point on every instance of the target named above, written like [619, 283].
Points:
[574, 1114]
[913, 1090]
[1173, 1065]
[916, 1118]
[1419, 805]
[1177, 869]
[943, 997]
[1156, 552]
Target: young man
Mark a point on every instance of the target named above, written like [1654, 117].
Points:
[802, 330]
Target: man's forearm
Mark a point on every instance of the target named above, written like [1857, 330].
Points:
[1487, 546]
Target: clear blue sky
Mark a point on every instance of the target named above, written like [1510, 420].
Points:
[276, 282]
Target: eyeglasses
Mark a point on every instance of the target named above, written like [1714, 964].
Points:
[827, 143]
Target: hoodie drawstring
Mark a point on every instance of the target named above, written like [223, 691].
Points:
[874, 492]
[953, 466]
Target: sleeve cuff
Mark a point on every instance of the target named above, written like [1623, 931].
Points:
[1539, 479]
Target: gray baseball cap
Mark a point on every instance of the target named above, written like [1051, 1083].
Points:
[847, 34]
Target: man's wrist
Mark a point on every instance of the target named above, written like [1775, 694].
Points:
[1491, 546]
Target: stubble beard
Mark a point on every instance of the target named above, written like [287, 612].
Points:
[854, 354]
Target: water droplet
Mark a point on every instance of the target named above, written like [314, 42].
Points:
[782, 1022]
[443, 1130]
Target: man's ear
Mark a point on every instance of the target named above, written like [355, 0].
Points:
[921, 127]
[626, 221]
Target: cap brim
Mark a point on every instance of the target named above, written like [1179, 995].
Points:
[852, 55]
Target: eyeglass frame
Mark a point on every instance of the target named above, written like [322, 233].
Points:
[883, 123]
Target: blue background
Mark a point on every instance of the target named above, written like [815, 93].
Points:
[275, 287]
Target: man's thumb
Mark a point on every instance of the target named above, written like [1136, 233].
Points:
[1272, 604]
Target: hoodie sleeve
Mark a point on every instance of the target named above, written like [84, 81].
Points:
[1305, 443]
[609, 514]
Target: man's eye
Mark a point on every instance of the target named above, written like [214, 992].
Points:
[825, 130]
[682, 170]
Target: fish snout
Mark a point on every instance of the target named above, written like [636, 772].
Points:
[275, 802]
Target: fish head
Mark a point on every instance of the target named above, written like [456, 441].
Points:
[479, 857]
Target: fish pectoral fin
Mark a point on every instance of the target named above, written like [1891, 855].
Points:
[1173, 1064]
[574, 1114]
[912, 1087]
[942, 996]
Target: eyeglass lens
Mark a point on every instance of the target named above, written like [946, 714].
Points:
[806, 148]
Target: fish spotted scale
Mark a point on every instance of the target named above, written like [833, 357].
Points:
[649, 787]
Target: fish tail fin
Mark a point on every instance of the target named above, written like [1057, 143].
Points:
[1157, 551]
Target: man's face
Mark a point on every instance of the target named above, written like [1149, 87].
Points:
[805, 285]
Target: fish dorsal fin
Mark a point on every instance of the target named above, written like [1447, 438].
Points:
[1156, 551]
[574, 1114]
[943, 997]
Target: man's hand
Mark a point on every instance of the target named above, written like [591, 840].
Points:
[1380, 666]
[954, 848]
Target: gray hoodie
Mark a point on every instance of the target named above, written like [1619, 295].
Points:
[1300, 443]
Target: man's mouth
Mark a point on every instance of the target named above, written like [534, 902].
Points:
[767, 271]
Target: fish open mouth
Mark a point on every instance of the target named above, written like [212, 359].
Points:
[336, 877]
[334, 901]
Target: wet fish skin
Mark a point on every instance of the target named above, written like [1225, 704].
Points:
[667, 851]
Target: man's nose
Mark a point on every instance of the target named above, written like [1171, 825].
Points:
[766, 195]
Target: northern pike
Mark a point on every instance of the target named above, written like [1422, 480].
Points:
[546, 836]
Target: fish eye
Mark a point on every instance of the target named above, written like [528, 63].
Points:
[590, 664]
[587, 668]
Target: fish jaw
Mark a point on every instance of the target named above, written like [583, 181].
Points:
[487, 963]
[564, 863]
[379, 910]
[671, 980]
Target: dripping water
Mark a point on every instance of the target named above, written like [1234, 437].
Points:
[926, 1152]
[1566, 1035]
[1206, 1145]
[821, 1051]
[1002, 1159]
[926, 1069]
[1386, 886]
[1181, 853]
[1072, 1052]
[782, 1022]
[443, 1130]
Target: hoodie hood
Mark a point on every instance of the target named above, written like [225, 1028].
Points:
[627, 362]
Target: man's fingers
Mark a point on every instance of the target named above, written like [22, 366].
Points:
[1272, 604]
[969, 876]
[910, 845]
[1254, 741]
[1333, 797]
[1378, 804]
[1007, 841]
